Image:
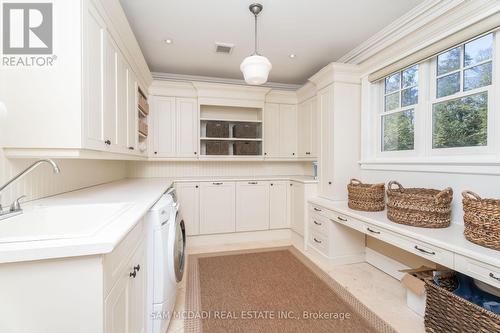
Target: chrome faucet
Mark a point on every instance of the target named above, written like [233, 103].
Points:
[15, 208]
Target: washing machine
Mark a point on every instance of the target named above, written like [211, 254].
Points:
[167, 239]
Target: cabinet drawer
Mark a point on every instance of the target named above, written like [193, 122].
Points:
[319, 210]
[319, 242]
[115, 262]
[319, 224]
[478, 270]
[421, 249]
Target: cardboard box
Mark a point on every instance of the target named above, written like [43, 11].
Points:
[415, 288]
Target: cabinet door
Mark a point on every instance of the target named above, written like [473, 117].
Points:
[132, 113]
[116, 306]
[109, 90]
[252, 206]
[315, 130]
[288, 130]
[304, 129]
[217, 207]
[279, 205]
[187, 126]
[121, 103]
[137, 308]
[93, 70]
[188, 195]
[272, 130]
[164, 129]
[298, 207]
[325, 109]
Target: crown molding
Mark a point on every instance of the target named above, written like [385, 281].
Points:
[336, 72]
[211, 79]
[415, 19]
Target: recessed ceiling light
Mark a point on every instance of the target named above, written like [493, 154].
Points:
[168, 41]
[292, 56]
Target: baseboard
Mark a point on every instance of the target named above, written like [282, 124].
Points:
[385, 264]
[254, 239]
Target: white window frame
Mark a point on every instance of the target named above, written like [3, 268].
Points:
[490, 90]
[381, 113]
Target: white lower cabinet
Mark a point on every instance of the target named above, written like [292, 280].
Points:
[297, 202]
[124, 308]
[279, 204]
[188, 195]
[217, 207]
[252, 206]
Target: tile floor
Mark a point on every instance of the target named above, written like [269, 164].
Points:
[383, 294]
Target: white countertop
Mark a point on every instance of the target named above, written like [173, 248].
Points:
[129, 200]
[450, 238]
[300, 179]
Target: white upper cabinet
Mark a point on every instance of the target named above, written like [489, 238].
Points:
[280, 129]
[252, 206]
[307, 129]
[79, 106]
[288, 133]
[187, 127]
[132, 117]
[164, 127]
[175, 127]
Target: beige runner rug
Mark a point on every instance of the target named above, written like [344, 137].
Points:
[273, 290]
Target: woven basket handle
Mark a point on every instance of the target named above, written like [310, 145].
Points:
[355, 181]
[470, 195]
[440, 196]
[393, 182]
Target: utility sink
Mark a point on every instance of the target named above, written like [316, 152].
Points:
[59, 221]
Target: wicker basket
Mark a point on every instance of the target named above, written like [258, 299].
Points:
[246, 131]
[447, 312]
[419, 207]
[366, 197]
[217, 129]
[481, 220]
[246, 148]
[217, 148]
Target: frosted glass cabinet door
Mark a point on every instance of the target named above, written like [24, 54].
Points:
[217, 207]
[164, 127]
[279, 205]
[252, 206]
[187, 125]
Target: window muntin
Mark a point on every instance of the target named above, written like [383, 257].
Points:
[398, 118]
[460, 107]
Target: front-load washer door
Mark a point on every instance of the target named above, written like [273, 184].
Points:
[179, 247]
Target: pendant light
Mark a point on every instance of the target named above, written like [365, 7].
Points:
[255, 68]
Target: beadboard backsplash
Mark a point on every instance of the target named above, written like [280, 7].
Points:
[217, 169]
[43, 182]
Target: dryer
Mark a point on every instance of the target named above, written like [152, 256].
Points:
[167, 240]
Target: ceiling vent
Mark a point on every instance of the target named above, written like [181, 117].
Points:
[224, 48]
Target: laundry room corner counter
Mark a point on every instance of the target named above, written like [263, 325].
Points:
[85, 222]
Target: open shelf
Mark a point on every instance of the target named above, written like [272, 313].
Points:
[229, 139]
[232, 120]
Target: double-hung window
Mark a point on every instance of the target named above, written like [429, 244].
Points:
[463, 76]
[398, 116]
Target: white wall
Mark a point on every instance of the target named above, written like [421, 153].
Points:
[200, 169]
[42, 182]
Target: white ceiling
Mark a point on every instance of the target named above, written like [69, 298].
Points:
[317, 31]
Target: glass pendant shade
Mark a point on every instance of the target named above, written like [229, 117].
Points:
[255, 69]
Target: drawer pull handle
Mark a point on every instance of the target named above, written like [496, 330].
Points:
[252, 183]
[317, 241]
[424, 251]
[317, 209]
[317, 223]
[133, 274]
[137, 268]
[341, 219]
[494, 277]
[373, 231]
[217, 183]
